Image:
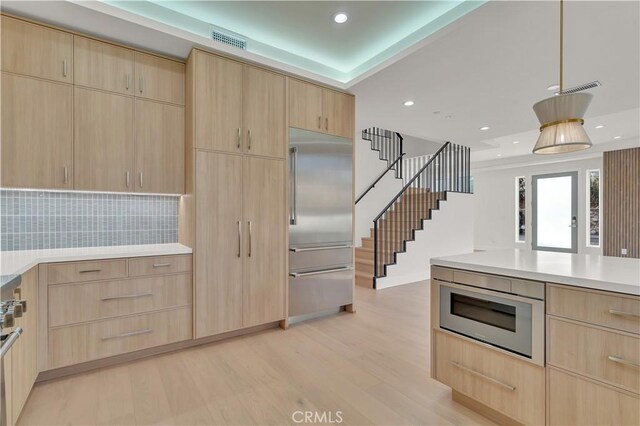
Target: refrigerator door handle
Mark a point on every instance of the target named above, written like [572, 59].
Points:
[293, 189]
[322, 271]
[300, 249]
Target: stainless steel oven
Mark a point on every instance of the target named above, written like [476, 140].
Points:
[508, 321]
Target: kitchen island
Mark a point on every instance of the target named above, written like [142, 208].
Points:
[538, 337]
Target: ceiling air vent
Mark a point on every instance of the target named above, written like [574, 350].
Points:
[227, 37]
[581, 87]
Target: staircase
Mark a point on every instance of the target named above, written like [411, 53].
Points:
[408, 212]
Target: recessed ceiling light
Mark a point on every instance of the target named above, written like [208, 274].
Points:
[499, 155]
[448, 117]
[484, 128]
[340, 18]
[408, 103]
[599, 126]
[617, 137]
[553, 87]
[516, 141]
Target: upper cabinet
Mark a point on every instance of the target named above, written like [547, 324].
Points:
[237, 108]
[159, 147]
[264, 112]
[102, 66]
[218, 102]
[159, 79]
[37, 133]
[36, 51]
[319, 109]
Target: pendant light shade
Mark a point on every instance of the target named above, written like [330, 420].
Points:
[561, 119]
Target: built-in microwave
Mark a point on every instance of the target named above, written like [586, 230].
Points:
[505, 320]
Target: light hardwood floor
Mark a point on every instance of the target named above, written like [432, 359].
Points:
[372, 366]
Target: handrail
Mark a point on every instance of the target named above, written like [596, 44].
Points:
[408, 184]
[379, 177]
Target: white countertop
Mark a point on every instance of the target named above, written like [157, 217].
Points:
[17, 262]
[606, 273]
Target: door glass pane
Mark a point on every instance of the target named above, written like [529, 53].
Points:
[554, 202]
[484, 311]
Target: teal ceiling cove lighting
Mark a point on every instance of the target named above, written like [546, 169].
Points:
[338, 40]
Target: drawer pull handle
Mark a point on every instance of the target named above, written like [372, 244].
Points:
[131, 333]
[323, 271]
[482, 376]
[161, 265]
[86, 271]
[128, 296]
[621, 360]
[623, 313]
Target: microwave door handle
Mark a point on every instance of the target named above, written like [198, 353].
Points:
[293, 190]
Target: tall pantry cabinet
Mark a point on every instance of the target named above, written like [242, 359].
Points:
[234, 212]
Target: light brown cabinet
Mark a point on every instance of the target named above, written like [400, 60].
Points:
[238, 108]
[159, 79]
[320, 109]
[102, 66]
[240, 222]
[37, 133]
[103, 141]
[24, 367]
[36, 51]
[159, 147]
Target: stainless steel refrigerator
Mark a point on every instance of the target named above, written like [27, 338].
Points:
[320, 223]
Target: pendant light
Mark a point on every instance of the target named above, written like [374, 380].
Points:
[561, 116]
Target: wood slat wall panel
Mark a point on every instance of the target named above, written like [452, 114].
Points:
[621, 202]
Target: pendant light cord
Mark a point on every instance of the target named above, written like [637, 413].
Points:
[561, 45]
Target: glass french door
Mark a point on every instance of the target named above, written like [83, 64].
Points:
[555, 212]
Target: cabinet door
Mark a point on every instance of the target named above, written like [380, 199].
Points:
[218, 112]
[264, 112]
[265, 218]
[24, 363]
[338, 114]
[37, 51]
[37, 133]
[218, 251]
[159, 79]
[159, 147]
[103, 141]
[102, 66]
[305, 105]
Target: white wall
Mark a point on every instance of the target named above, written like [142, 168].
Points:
[495, 195]
[449, 232]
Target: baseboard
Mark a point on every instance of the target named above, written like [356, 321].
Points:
[388, 282]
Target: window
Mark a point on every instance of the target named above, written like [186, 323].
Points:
[593, 208]
[521, 203]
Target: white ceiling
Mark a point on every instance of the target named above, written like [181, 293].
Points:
[497, 61]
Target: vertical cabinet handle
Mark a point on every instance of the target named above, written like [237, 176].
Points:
[128, 179]
[319, 121]
[238, 138]
[239, 237]
[64, 68]
[249, 141]
[140, 179]
[293, 182]
[126, 84]
[326, 124]
[249, 253]
[66, 175]
[141, 81]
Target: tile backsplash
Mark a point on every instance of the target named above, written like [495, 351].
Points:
[31, 220]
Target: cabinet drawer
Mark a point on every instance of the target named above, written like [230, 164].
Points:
[577, 401]
[480, 280]
[603, 355]
[512, 387]
[442, 274]
[85, 342]
[77, 272]
[159, 265]
[616, 311]
[69, 304]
